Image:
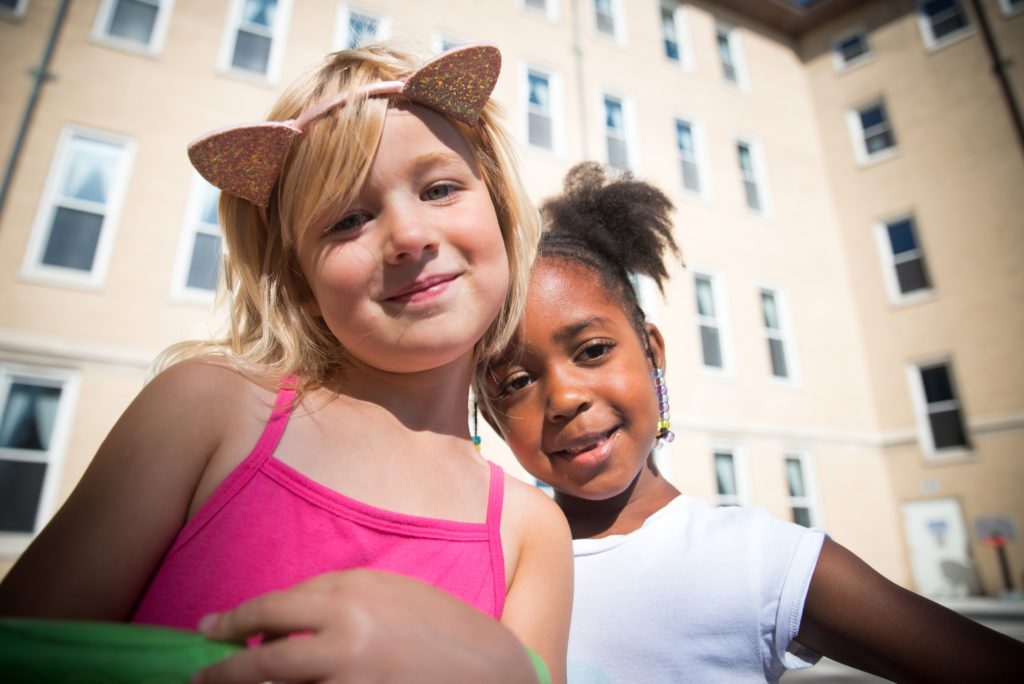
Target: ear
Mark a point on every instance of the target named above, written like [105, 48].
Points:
[656, 344]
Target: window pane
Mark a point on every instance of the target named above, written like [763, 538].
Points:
[28, 417]
[778, 356]
[618, 155]
[361, 30]
[90, 173]
[853, 47]
[947, 429]
[912, 276]
[725, 55]
[73, 238]
[684, 138]
[540, 92]
[795, 477]
[537, 4]
[133, 20]
[802, 516]
[872, 116]
[9, 4]
[877, 142]
[746, 162]
[202, 272]
[691, 176]
[937, 385]
[768, 309]
[901, 236]
[259, 12]
[711, 346]
[210, 200]
[613, 115]
[21, 484]
[725, 474]
[668, 31]
[752, 195]
[252, 52]
[705, 297]
[605, 19]
[540, 130]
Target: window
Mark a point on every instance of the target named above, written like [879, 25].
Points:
[13, 9]
[850, 50]
[548, 8]
[609, 20]
[136, 24]
[673, 32]
[730, 55]
[33, 425]
[616, 140]
[358, 27]
[939, 413]
[710, 321]
[72, 235]
[199, 255]
[902, 258]
[748, 157]
[539, 123]
[801, 502]
[443, 42]
[730, 483]
[686, 145]
[1012, 7]
[942, 22]
[776, 333]
[872, 133]
[255, 35]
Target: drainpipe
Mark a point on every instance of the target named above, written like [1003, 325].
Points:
[40, 75]
[577, 52]
[999, 69]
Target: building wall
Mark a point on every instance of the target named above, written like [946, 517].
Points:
[842, 408]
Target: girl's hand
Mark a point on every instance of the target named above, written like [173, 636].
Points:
[365, 626]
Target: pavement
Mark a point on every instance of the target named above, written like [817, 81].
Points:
[1005, 614]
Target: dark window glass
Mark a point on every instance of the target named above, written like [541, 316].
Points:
[252, 52]
[711, 346]
[947, 429]
[73, 239]
[21, 485]
[912, 276]
[937, 384]
[202, 272]
[134, 21]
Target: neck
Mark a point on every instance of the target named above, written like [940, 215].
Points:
[434, 400]
[648, 493]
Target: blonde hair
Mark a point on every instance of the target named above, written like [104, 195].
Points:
[270, 331]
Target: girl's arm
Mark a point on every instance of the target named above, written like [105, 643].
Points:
[93, 559]
[539, 600]
[855, 616]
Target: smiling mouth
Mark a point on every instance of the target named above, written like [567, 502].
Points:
[423, 289]
[585, 444]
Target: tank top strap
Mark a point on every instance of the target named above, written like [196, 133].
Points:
[495, 500]
[278, 421]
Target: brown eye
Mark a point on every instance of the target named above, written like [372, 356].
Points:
[350, 222]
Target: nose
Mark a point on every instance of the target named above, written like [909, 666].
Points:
[567, 397]
[411, 235]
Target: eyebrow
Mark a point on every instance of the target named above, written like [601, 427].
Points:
[569, 332]
[432, 160]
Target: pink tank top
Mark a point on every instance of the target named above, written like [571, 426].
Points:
[268, 527]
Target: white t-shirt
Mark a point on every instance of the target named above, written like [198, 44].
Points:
[697, 594]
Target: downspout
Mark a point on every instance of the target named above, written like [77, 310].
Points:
[577, 53]
[999, 69]
[41, 75]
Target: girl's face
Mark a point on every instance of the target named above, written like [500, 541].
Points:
[410, 277]
[573, 395]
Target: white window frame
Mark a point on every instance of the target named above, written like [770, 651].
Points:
[932, 43]
[811, 501]
[922, 412]
[557, 108]
[759, 177]
[550, 12]
[739, 61]
[628, 122]
[741, 470]
[840, 63]
[191, 225]
[277, 35]
[859, 138]
[13, 543]
[784, 334]
[699, 157]
[681, 22]
[1009, 10]
[17, 13]
[621, 35]
[721, 321]
[344, 17]
[32, 268]
[888, 259]
[156, 39]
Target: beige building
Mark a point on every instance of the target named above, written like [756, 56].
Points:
[848, 175]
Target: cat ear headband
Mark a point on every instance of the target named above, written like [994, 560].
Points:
[245, 161]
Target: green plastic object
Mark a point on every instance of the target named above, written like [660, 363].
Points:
[84, 652]
[543, 674]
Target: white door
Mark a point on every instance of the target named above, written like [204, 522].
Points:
[939, 553]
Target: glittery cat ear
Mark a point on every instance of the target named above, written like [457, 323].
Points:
[246, 161]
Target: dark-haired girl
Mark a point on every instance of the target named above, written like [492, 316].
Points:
[669, 588]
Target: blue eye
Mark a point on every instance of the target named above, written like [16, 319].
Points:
[350, 222]
[439, 191]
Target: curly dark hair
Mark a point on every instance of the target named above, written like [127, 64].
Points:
[612, 226]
